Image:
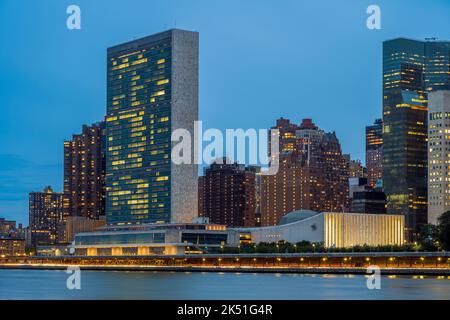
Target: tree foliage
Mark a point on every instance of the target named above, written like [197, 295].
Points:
[444, 230]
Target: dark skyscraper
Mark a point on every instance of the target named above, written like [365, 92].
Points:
[84, 172]
[228, 194]
[410, 70]
[152, 91]
[374, 152]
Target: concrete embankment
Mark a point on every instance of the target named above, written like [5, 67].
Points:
[237, 269]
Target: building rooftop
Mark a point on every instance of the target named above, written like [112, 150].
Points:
[297, 216]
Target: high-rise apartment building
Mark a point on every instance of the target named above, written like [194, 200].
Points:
[355, 167]
[48, 211]
[438, 154]
[152, 91]
[411, 69]
[336, 174]
[228, 194]
[84, 172]
[374, 152]
[290, 189]
[312, 173]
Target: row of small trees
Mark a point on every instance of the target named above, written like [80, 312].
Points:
[307, 247]
[435, 237]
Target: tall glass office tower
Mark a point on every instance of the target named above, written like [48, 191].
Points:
[411, 69]
[152, 90]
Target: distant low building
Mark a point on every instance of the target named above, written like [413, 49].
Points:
[372, 201]
[366, 199]
[52, 250]
[7, 226]
[12, 247]
[357, 185]
[12, 238]
[76, 225]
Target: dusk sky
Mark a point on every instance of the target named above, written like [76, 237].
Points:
[259, 60]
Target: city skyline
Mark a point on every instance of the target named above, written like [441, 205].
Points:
[47, 169]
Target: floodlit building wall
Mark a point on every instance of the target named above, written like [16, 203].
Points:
[346, 230]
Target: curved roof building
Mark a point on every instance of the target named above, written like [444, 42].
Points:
[334, 229]
[297, 215]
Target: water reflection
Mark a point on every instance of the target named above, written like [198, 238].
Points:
[42, 284]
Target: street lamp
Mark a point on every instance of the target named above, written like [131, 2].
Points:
[295, 248]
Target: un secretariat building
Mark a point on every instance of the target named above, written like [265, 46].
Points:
[152, 89]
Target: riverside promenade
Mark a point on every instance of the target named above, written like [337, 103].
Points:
[390, 263]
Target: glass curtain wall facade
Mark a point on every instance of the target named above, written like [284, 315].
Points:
[411, 69]
[152, 90]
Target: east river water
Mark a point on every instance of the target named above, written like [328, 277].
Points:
[51, 284]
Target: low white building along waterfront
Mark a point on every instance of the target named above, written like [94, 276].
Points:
[334, 229]
[150, 239]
